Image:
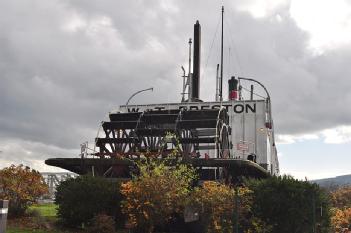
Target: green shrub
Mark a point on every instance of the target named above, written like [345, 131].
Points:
[290, 205]
[80, 199]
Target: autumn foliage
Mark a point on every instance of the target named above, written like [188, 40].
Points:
[226, 209]
[341, 197]
[216, 203]
[161, 192]
[156, 194]
[341, 219]
[341, 211]
[22, 186]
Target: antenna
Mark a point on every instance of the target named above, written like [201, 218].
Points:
[221, 84]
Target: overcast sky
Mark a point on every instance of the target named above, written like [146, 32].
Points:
[65, 64]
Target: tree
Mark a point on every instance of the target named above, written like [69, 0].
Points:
[289, 205]
[156, 194]
[341, 219]
[22, 186]
[80, 199]
[341, 211]
[215, 203]
[341, 198]
[220, 206]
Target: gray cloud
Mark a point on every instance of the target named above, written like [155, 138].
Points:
[16, 151]
[65, 64]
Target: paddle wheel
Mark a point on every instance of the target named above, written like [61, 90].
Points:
[157, 134]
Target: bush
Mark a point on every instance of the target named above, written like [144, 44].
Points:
[22, 186]
[220, 206]
[80, 199]
[341, 219]
[341, 198]
[156, 194]
[102, 223]
[290, 205]
[341, 211]
[215, 204]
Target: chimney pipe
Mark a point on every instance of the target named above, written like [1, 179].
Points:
[196, 62]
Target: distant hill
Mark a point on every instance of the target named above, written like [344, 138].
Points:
[335, 181]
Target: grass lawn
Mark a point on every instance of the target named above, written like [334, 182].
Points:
[45, 210]
[22, 230]
[47, 213]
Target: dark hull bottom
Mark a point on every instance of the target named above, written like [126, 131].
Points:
[209, 169]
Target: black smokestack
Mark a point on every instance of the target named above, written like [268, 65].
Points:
[196, 61]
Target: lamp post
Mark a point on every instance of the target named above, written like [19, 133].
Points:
[253, 80]
[268, 100]
[148, 89]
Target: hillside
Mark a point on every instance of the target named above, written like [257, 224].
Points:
[334, 181]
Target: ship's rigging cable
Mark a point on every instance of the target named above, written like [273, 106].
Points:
[233, 45]
[230, 69]
[214, 37]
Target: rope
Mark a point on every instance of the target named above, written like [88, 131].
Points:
[233, 44]
[214, 37]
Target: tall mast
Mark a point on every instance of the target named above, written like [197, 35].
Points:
[221, 84]
[190, 82]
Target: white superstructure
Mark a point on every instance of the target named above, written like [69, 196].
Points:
[251, 135]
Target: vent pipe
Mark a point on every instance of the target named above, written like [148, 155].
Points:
[195, 94]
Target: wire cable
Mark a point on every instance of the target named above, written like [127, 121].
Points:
[214, 37]
[234, 47]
